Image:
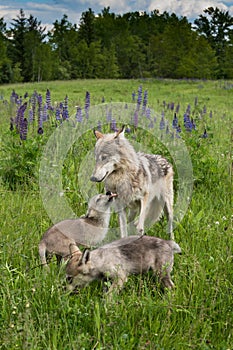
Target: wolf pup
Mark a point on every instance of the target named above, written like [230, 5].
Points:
[88, 230]
[143, 182]
[119, 259]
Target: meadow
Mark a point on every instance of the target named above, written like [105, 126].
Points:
[36, 310]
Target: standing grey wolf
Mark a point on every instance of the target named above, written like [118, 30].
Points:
[88, 230]
[143, 182]
[119, 259]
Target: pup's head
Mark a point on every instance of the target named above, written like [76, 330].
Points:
[100, 204]
[107, 154]
[78, 269]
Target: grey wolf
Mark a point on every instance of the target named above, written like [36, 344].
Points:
[87, 231]
[143, 182]
[119, 259]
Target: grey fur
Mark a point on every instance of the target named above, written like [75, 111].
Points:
[121, 258]
[88, 230]
[143, 182]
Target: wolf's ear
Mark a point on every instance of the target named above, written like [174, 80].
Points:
[98, 134]
[74, 249]
[86, 256]
[120, 132]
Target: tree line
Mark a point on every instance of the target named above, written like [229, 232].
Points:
[109, 45]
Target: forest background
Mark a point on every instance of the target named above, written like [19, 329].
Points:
[109, 45]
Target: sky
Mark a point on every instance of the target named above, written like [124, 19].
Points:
[48, 11]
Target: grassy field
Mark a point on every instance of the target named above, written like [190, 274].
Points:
[36, 310]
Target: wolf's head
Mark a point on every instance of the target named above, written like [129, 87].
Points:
[99, 205]
[78, 269]
[112, 152]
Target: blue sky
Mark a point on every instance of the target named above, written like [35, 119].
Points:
[47, 11]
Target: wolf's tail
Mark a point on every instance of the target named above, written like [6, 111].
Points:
[175, 247]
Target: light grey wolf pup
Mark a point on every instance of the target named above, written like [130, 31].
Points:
[88, 230]
[143, 182]
[121, 258]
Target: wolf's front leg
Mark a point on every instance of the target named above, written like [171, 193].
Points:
[142, 215]
[123, 223]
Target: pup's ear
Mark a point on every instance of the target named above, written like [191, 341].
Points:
[120, 132]
[74, 249]
[98, 134]
[86, 256]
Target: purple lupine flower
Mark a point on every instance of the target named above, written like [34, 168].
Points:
[175, 121]
[113, 125]
[40, 114]
[162, 123]
[211, 114]
[65, 112]
[193, 124]
[25, 95]
[99, 126]
[33, 101]
[188, 110]
[177, 108]
[48, 99]
[188, 124]
[30, 115]
[127, 129]
[151, 125]
[172, 106]
[145, 100]
[139, 100]
[167, 130]
[87, 104]
[133, 96]
[40, 131]
[13, 97]
[135, 119]
[148, 113]
[178, 129]
[23, 129]
[58, 113]
[109, 115]
[204, 110]
[45, 113]
[20, 116]
[78, 115]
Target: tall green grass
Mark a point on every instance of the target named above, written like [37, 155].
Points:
[36, 310]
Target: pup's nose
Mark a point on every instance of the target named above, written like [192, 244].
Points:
[93, 178]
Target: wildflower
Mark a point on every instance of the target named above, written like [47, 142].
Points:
[78, 116]
[148, 113]
[162, 123]
[204, 110]
[175, 121]
[145, 100]
[23, 129]
[25, 95]
[211, 114]
[20, 116]
[139, 100]
[57, 113]
[48, 99]
[177, 108]
[65, 113]
[109, 115]
[40, 116]
[113, 125]
[133, 96]
[99, 126]
[11, 124]
[33, 104]
[87, 104]
[178, 129]
[167, 129]
[40, 131]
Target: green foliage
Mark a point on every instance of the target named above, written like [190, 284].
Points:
[36, 310]
[132, 45]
